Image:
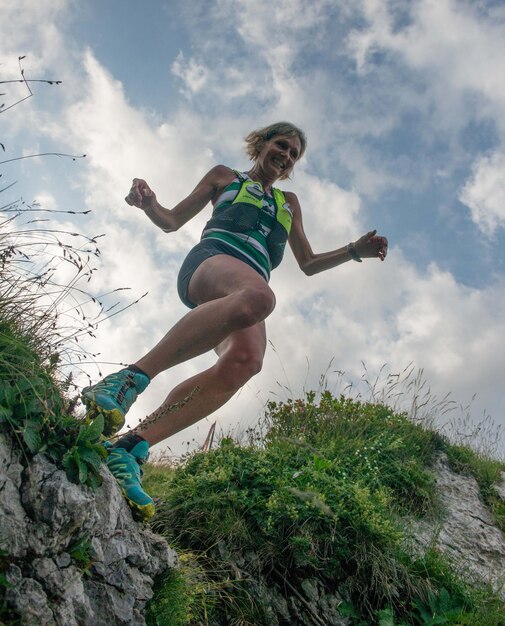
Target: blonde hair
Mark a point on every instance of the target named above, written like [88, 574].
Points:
[257, 138]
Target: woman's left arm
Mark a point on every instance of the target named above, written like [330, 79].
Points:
[368, 246]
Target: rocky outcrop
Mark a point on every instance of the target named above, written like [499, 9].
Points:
[73, 556]
[466, 530]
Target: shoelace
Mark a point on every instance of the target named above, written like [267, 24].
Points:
[127, 384]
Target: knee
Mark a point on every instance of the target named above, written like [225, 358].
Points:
[254, 305]
[237, 367]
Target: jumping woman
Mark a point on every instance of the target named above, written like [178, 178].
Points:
[224, 282]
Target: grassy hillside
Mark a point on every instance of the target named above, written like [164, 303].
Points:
[322, 494]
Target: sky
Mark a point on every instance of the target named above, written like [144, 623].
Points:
[403, 104]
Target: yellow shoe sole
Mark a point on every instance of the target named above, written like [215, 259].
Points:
[141, 513]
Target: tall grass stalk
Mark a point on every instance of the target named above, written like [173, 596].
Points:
[406, 391]
[45, 292]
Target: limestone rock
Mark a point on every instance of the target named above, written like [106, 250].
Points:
[467, 531]
[500, 488]
[43, 518]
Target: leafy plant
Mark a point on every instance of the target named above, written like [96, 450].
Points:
[183, 596]
[439, 608]
[35, 412]
[80, 551]
[82, 461]
[42, 319]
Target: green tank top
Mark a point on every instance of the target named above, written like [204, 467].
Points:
[254, 223]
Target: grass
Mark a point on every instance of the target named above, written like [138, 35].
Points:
[184, 595]
[321, 493]
[318, 490]
[41, 323]
[36, 412]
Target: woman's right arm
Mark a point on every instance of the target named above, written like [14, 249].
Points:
[170, 220]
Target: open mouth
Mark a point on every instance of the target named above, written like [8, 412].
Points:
[278, 163]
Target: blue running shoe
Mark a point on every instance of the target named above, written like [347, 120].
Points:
[125, 467]
[112, 397]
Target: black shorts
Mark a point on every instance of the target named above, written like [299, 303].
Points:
[204, 250]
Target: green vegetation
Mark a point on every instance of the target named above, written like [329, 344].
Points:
[35, 412]
[183, 595]
[80, 551]
[320, 494]
[45, 310]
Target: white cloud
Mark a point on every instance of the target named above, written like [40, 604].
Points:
[28, 23]
[35, 31]
[484, 193]
[46, 200]
[392, 314]
[193, 74]
[122, 143]
[296, 16]
[461, 48]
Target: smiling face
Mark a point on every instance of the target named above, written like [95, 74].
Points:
[278, 156]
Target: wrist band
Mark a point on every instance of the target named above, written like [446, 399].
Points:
[352, 253]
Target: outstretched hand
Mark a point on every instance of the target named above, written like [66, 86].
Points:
[141, 195]
[371, 246]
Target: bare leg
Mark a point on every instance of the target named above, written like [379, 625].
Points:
[240, 358]
[232, 302]
[231, 296]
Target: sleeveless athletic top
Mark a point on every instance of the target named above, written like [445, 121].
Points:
[260, 244]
